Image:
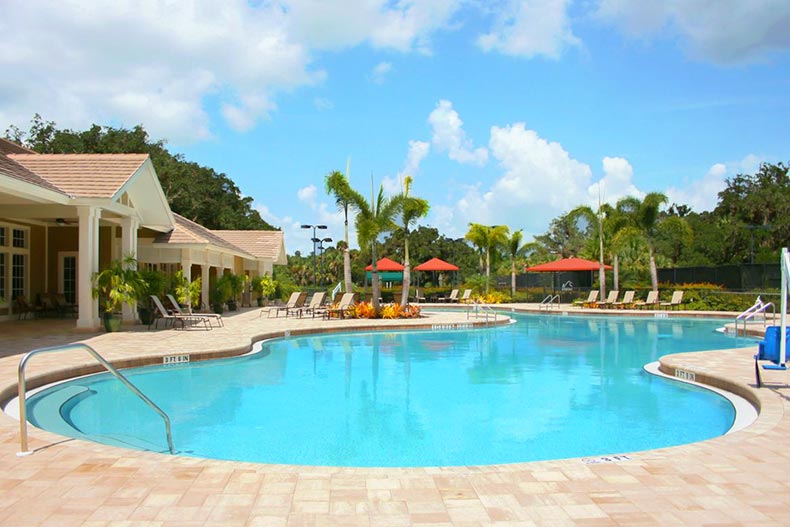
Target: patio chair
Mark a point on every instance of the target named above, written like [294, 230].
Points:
[674, 303]
[210, 316]
[418, 297]
[316, 303]
[295, 303]
[23, 309]
[592, 298]
[63, 306]
[452, 298]
[610, 300]
[345, 302]
[628, 301]
[466, 297]
[650, 302]
[183, 320]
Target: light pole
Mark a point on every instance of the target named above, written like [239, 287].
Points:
[314, 240]
[321, 251]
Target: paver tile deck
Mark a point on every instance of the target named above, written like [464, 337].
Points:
[739, 479]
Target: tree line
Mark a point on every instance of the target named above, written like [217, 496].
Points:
[196, 192]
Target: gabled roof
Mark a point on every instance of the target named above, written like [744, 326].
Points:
[11, 168]
[83, 175]
[188, 232]
[9, 147]
[269, 245]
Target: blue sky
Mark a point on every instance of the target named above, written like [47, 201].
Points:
[504, 112]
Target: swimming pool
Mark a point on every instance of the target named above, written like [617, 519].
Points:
[546, 387]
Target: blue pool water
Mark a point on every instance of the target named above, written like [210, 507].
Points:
[546, 387]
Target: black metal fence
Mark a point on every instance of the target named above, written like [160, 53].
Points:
[744, 277]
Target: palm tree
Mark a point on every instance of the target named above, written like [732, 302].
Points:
[485, 238]
[337, 185]
[372, 220]
[411, 208]
[643, 217]
[514, 249]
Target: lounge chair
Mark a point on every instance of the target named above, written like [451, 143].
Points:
[650, 302]
[592, 298]
[22, 308]
[610, 299]
[316, 303]
[64, 306]
[452, 298]
[345, 302]
[183, 320]
[295, 303]
[674, 303]
[466, 297]
[211, 316]
[628, 301]
[418, 297]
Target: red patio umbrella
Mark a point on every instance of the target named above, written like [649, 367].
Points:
[436, 264]
[565, 264]
[385, 264]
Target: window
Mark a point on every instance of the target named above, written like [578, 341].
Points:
[2, 277]
[20, 238]
[2, 237]
[18, 275]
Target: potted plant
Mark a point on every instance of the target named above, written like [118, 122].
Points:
[264, 287]
[187, 293]
[233, 285]
[221, 294]
[121, 283]
[156, 282]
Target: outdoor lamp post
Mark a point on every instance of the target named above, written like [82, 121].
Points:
[314, 240]
[321, 251]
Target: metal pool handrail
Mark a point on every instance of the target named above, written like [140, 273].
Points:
[109, 367]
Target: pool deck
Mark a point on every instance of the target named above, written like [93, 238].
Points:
[735, 480]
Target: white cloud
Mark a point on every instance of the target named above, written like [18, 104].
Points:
[163, 63]
[702, 194]
[380, 71]
[307, 194]
[402, 25]
[616, 183]
[530, 28]
[724, 32]
[448, 136]
[418, 150]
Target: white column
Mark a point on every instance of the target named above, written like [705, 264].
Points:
[204, 298]
[87, 266]
[129, 248]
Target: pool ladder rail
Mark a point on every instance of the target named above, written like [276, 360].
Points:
[550, 302]
[759, 307]
[109, 367]
[480, 309]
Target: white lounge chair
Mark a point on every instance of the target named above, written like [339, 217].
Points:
[592, 298]
[316, 303]
[677, 299]
[345, 302]
[183, 320]
[466, 297]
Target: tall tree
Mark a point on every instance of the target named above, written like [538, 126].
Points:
[486, 238]
[514, 249]
[337, 185]
[644, 217]
[411, 209]
[373, 219]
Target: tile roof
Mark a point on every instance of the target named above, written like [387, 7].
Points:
[83, 175]
[261, 244]
[187, 231]
[13, 169]
[9, 147]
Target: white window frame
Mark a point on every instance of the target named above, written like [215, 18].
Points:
[61, 256]
[9, 250]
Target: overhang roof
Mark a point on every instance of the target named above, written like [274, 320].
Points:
[84, 175]
[269, 245]
[187, 232]
[11, 168]
[9, 147]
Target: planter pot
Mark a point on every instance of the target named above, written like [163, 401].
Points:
[261, 301]
[218, 308]
[112, 322]
[232, 305]
[146, 315]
